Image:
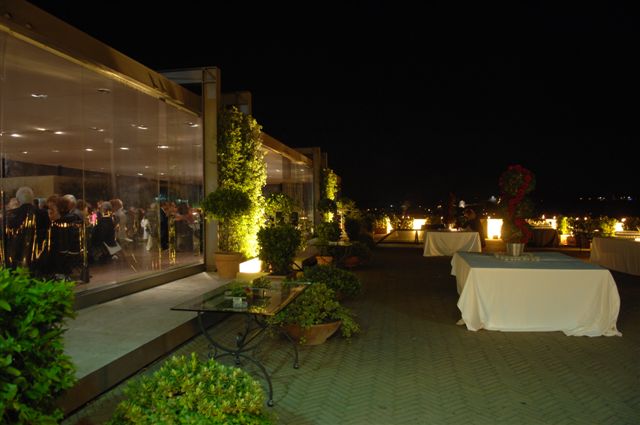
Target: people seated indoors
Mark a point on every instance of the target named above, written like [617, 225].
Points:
[26, 231]
[104, 233]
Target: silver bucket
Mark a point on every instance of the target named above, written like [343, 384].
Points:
[515, 249]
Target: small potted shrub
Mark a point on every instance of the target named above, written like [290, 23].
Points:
[314, 316]
[226, 204]
[278, 247]
[343, 282]
[327, 232]
[358, 253]
[187, 390]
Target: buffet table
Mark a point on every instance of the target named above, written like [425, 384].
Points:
[550, 292]
[618, 254]
[439, 243]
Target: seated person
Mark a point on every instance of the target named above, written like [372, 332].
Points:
[473, 224]
[104, 233]
[26, 231]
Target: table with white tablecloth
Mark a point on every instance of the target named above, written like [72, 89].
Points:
[554, 293]
[447, 243]
[618, 254]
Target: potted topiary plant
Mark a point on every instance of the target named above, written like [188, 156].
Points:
[515, 183]
[187, 390]
[226, 204]
[358, 253]
[278, 246]
[328, 233]
[343, 282]
[314, 316]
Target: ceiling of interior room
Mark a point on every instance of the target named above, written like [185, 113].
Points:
[57, 113]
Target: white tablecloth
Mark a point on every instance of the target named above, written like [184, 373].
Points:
[618, 254]
[448, 243]
[557, 293]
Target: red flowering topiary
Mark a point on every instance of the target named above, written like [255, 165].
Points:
[514, 184]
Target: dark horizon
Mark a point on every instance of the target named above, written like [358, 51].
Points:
[443, 104]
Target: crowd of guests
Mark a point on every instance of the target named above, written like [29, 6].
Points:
[54, 237]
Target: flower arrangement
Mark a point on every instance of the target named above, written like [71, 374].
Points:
[515, 183]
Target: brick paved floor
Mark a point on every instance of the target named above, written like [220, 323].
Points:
[413, 365]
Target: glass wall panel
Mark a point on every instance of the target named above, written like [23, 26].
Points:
[295, 179]
[110, 175]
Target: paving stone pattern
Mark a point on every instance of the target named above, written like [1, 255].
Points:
[413, 365]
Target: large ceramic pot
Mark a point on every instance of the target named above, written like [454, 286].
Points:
[227, 264]
[514, 249]
[315, 335]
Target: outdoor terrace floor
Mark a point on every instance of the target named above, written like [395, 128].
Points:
[413, 365]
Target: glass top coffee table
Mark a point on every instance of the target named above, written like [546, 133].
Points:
[257, 306]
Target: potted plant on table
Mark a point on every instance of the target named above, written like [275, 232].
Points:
[515, 183]
[226, 204]
[314, 316]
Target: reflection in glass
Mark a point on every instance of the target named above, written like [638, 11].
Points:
[115, 174]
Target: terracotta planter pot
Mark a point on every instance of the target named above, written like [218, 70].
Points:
[351, 261]
[228, 264]
[324, 260]
[315, 335]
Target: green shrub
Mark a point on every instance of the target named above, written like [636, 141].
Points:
[361, 250]
[315, 306]
[33, 368]
[188, 391]
[326, 205]
[353, 228]
[278, 246]
[226, 204]
[328, 231]
[341, 281]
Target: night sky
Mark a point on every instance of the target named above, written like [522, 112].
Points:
[412, 104]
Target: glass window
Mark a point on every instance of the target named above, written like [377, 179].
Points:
[100, 182]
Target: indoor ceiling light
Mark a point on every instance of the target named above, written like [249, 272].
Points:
[124, 148]
[58, 132]
[99, 130]
[192, 124]
[55, 151]
[140, 174]
[163, 147]
[25, 152]
[41, 129]
[104, 90]
[89, 150]
[16, 135]
[143, 127]
[39, 95]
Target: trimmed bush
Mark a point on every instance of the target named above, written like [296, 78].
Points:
[34, 370]
[278, 246]
[188, 391]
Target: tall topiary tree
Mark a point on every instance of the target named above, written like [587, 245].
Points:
[33, 367]
[241, 166]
